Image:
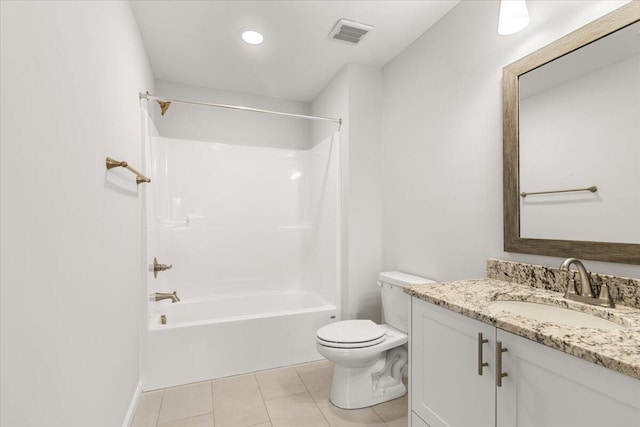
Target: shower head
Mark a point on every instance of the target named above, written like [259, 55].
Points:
[164, 106]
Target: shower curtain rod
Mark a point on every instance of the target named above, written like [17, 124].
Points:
[234, 107]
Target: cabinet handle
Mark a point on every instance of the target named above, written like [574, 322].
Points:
[499, 373]
[481, 363]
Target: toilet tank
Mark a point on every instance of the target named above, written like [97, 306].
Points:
[395, 303]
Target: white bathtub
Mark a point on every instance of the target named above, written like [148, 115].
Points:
[217, 336]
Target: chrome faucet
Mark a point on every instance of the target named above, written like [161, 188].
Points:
[166, 295]
[585, 294]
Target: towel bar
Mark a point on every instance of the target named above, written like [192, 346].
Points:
[592, 189]
[111, 163]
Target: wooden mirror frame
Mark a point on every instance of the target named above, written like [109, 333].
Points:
[627, 253]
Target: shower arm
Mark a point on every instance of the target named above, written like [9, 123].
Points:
[165, 102]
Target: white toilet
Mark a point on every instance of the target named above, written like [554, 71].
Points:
[369, 358]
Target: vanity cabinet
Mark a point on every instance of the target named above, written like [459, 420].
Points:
[446, 389]
[543, 386]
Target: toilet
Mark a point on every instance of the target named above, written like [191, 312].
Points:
[369, 358]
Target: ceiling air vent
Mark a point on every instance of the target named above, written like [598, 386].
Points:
[349, 31]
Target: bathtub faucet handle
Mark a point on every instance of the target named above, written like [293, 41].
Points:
[159, 267]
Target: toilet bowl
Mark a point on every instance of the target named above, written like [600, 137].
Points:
[369, 358]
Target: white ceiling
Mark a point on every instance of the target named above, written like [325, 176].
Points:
[198, 42]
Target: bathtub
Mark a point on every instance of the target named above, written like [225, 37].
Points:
[212, 337]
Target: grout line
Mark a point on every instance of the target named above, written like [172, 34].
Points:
[213, 412]
[312, 398]
[259, 388]
[304, 384]
[322, 413]
[264, 403]
[306, 388]
[378, 415]
[160, 407]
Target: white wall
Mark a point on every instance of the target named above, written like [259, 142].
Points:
[230, 126]
[355, 96]
[71, 267]
[442, 139]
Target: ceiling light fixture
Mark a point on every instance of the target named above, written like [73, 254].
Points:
[514, 17]
[252, 37]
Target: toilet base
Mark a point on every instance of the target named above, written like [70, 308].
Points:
[354, 388]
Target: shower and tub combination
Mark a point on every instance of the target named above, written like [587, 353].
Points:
[248, 238]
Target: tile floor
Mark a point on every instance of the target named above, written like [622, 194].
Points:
[294, 396]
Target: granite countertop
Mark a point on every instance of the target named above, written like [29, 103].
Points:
[617, 349]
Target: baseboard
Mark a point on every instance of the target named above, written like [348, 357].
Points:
[128, 419]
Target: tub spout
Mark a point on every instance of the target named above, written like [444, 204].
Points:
[166, 295]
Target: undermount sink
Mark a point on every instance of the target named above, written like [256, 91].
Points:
[553, 314]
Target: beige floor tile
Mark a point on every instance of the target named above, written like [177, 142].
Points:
[237, 402]
[322, 363]
[148, 409]
[295, 411]
[186, 401]
[352, 417]
[401, 422]
[393, 410]
[199, 421]
[317, 376]
[279, 383]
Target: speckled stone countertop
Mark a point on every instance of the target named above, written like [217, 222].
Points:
[617, 349]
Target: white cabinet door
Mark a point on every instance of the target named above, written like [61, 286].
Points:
[446, 389]
[546, 387]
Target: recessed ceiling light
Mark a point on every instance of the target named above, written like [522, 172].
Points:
[252, 37]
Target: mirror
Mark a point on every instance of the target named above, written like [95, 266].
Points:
[572, 144]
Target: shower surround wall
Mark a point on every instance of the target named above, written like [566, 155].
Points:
[253, 235]
[240, 219]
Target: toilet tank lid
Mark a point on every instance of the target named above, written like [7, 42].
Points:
[402, 279]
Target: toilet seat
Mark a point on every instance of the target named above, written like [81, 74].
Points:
[351, 334]
[351, 345]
